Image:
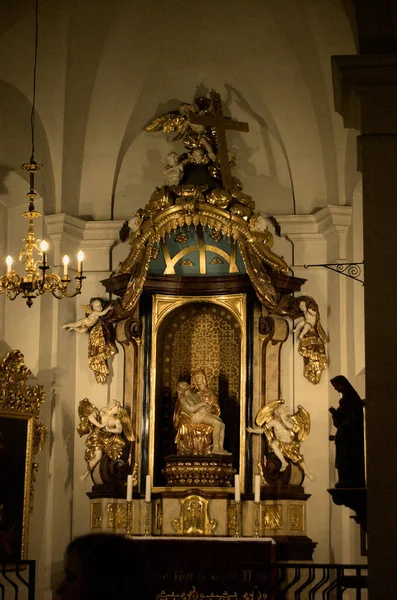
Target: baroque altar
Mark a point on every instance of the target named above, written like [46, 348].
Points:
[204, 308]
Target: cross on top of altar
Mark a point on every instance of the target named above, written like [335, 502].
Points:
[220, 124]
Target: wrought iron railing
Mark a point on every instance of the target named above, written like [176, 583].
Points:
[17, 580]
[280, 581]
[287, 581]
[307, 581]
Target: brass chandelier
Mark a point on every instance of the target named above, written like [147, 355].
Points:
[36, 281]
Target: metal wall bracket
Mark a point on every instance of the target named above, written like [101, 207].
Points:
[351, 270]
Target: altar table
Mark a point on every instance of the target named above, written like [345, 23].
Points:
[209, 565]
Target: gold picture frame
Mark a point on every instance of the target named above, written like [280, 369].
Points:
[21, 437]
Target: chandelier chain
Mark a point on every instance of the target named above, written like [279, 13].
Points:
[33, 111]
[36, 280]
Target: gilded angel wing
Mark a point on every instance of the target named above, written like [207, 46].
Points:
[126, 424]
[266, 413]
[166, 123]
[301, 419]
[86, 308]
[320, 330]
[86, 408]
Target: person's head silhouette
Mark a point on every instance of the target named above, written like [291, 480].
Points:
[102, 566]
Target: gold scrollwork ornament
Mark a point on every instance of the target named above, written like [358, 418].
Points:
[21, 401]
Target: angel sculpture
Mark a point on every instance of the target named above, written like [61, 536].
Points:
[173, 171]
[312, 339]
[92, 313]
[100, 337]
[192, 135]
[284, 432]
[107, 431]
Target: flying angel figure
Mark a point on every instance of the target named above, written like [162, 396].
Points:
[107, 431]
[312, 339]
[92, 313]
[193, 135]
[101, 344]
[284, 432]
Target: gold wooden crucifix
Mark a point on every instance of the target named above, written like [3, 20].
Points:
[220, 123]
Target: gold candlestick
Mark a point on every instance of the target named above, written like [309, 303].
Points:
[237, 530]
[128, 522]
[148, 518]
[257, 506]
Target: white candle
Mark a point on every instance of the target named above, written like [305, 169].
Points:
[9, 263]
[257, 495]
[129, 488]
[44, 248]
[237, 495]
[148, 489]
[65, 265]
[80, 258]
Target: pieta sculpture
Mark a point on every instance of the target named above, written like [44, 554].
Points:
[200, 430]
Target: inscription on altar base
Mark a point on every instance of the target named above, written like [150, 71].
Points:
[209, 568]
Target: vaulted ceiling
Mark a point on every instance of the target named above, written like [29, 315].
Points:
[106, 67]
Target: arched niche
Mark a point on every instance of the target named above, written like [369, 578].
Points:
[191, 333]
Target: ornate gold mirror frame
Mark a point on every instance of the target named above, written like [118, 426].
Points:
[21, 437]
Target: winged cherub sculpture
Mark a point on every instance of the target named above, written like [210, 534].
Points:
[101, 344]
[284, 432]
[192, 135]
[312, 339]
[108, 430]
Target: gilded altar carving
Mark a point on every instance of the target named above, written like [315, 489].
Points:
[117, 515]
[96, 515]
[158, 516]
[206, 471]
[194, 519]
[182, 238]
[231, 517]
[296, 520]
[272, 516]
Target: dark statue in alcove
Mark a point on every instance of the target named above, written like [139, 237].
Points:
[348, 419]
